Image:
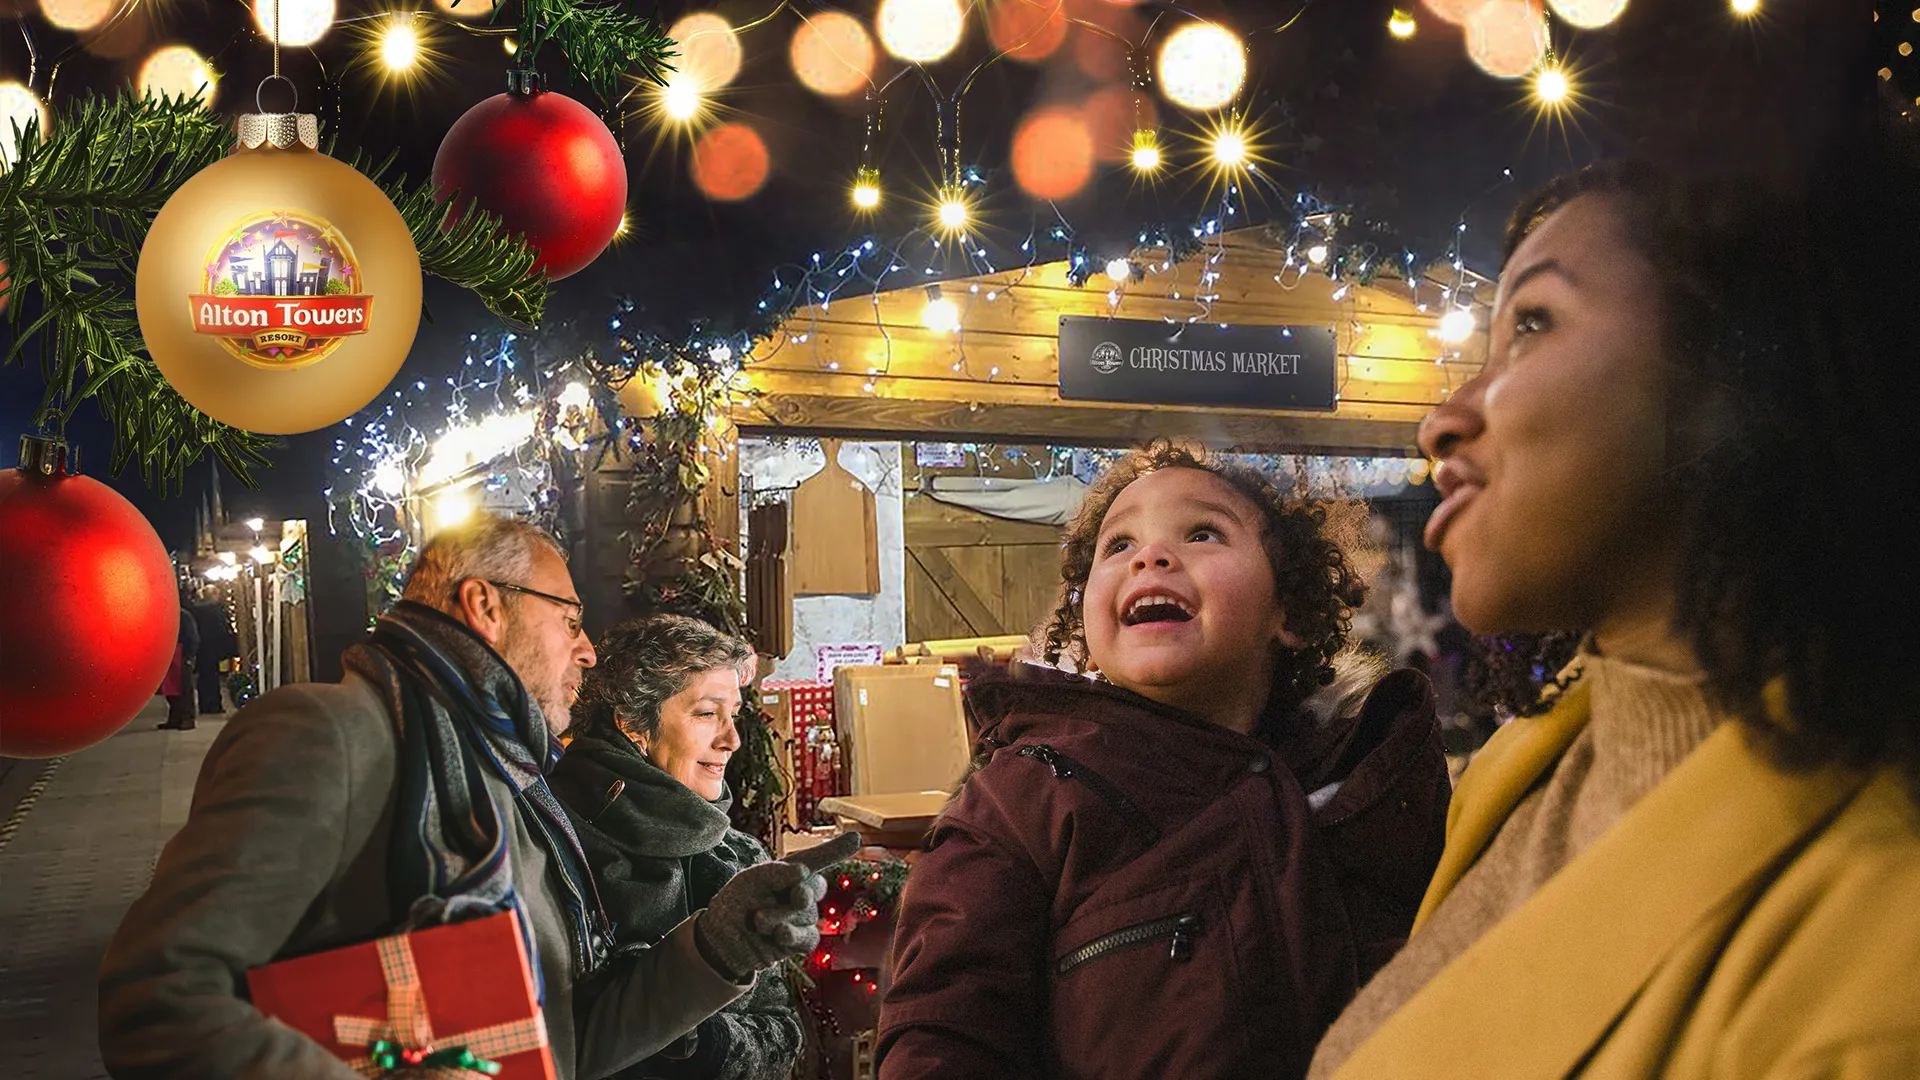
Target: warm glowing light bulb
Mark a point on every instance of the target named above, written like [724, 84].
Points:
[942, 316]
[1230, 150]
[953, 212]
[625, 224]
[19, 107]
[1401, 25]
[681, 100]
[400, 44]
[1317, 254]
[1745, 7]
[866, 188]
[1457, 326]
[451, 508]
[510, 45]
[1146, 151]
[1120, 270]
[1551, 86]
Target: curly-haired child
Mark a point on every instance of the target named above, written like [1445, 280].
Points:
[1184, 862]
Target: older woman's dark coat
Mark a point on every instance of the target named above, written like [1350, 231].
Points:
[659, 852]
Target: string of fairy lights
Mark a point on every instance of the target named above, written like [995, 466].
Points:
[1199, 66]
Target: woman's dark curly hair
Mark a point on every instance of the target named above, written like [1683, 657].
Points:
[1790, 323]
[1307, 544]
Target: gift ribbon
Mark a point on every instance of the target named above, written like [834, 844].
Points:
[405, 1041]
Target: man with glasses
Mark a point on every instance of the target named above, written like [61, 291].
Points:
[409, 794]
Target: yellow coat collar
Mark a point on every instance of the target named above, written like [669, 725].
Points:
[1535, 994]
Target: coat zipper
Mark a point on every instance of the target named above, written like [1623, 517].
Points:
[1179, 929]
[1067, 768]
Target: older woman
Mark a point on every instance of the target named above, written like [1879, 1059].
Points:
[644, 782]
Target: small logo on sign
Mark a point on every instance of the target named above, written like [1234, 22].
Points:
[1107, 358]
[282, 290]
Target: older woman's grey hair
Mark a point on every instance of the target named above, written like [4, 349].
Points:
[643, 664]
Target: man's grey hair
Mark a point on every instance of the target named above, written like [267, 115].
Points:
[643, 664]
[486, 547]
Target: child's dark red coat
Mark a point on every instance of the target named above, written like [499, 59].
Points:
[1125, 891]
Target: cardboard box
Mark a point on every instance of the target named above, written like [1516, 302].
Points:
[467, 987]
[902, 728]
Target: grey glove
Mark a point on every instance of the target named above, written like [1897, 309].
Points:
[769, 912]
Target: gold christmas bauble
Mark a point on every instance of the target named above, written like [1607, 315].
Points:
[279, 289]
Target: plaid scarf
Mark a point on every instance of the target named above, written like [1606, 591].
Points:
[459, 710]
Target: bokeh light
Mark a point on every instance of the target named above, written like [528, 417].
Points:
[473, 10]
[1100, 57]
[1029, 30]
[76, 14]
[832, 54]
[920, 31]
[708, 52]
[1455, 11]
[1506, 38]
[1589, 14]
[1052, 153]
[1401, 24]
[302, 22]
[1456, 326]
[730, 163]
[177, 71]
[19, 107]
[1202, 66]
[1113, 114]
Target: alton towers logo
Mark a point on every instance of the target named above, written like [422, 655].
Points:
[1107, 358]
[282, 290]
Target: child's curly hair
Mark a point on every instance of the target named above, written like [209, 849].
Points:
[1308, 545]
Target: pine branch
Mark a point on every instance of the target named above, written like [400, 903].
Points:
[601, 42]
[74, 213]
[469, 249]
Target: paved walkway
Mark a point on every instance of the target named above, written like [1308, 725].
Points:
[78, 841]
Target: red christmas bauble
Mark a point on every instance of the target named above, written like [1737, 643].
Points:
[89, 612]
[547, 166]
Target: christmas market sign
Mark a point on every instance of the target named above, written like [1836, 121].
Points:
[1153, 362]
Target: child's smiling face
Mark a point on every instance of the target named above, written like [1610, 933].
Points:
[1179, 605]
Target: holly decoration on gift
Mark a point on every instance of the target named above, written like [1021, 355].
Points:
[89, 610]
[394, 1058]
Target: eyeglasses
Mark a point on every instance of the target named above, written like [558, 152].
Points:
[573, 621]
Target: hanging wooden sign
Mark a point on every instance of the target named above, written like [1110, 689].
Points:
[1153, 362]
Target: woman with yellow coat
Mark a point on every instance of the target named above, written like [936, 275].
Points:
[1699, 854]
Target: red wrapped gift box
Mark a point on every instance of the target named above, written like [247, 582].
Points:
[408, 1005]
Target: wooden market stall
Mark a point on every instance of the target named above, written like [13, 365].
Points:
[869, 366]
